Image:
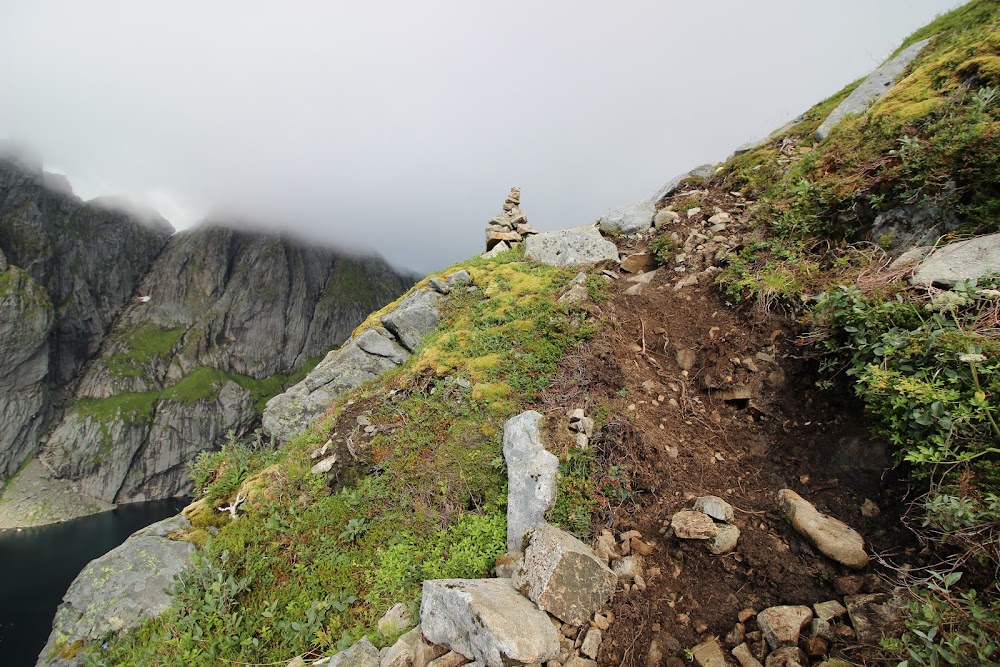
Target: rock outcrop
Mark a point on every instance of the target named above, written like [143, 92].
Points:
[221, 318]
[364, 357]
[69, 268]
[874, 87]
[26, 318]
[117, 591]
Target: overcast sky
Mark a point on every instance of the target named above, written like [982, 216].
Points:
[400, 126]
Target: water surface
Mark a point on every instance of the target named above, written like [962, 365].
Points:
[37, 565]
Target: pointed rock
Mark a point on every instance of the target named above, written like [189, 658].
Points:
[531, 476]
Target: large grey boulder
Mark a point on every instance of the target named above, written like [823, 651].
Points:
[117, 591]
[873, 88]
[563, 576]
[415, 317]
[531, 476]
[834, 538]
[634, 219]
[570, 247]
[26, 318]
[965, 260]
[488, 621]
[674, 184]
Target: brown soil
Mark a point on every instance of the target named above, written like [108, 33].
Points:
[746, 421]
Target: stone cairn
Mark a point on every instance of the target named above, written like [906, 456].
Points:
[510, 228]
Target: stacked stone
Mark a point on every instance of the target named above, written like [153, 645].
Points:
[510, 228]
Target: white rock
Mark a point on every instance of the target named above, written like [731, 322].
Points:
[781, 625]
[487, 620]
[633, 219]
[715, 507]
[531, 476]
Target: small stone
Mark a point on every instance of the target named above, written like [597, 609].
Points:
[815, 647]
[700, 626]
[691, 212]
[665, 217]
[745, 658]
[627, 568]
[709, 654]
[605, 546]
[636, 290]
[639, 263]
[848, 585]
[781, 625]
[829, 610]
[449, 659]
[641, 547]
[324, 466]
[601, 621]
[439, 285]
[459, 278]
[577, 661]
[736, 635]
[591, 643]
[507, 563]
[788, 656]
[715, 507]
[720, 219]
[746, 614]
[820, 628]
[725, 540]
[685, 358]
[869, 509]
[689, 525]
[425, 653]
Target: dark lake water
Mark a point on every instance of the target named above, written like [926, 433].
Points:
[38, 565]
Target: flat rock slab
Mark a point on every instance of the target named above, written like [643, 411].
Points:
[873, 88]
[709, 654]
[834, 538]
[634, 219]
[781, 625]
[964, 260]
[119, 590]
[488, 621]
[531, 476]
[570, 247]
[563, 576]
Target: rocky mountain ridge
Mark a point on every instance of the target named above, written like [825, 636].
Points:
[160, 343]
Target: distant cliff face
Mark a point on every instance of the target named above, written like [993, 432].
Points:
[69, 269]
[167, 342]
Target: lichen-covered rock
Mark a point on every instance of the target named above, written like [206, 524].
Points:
[691, 525]
[570, 247]
[563, 576]
[486, 620]
[715, 507]
[834, 538]
[531, 476]
[964, 260]
[873, 88]
[415, 317]
[117, 591]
